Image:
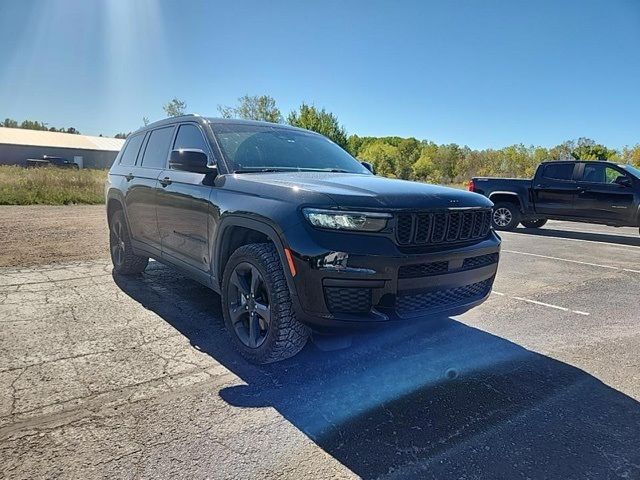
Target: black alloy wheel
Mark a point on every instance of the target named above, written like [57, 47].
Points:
[249, 305]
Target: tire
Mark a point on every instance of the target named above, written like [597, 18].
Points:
[540, 222]
[125, 262]
[258, 314]
[506, 216]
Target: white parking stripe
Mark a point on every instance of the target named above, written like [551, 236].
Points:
[542, 304]
[610, 267]
[562, 259]
[572, 239]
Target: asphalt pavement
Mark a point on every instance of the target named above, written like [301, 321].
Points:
[136, 378]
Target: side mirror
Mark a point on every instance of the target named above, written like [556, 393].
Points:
[190, 160]
[369, 166]
[623, 181]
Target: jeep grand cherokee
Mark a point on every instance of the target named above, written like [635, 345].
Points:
[293, 232]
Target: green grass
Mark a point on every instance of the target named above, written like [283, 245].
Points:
[50, 186]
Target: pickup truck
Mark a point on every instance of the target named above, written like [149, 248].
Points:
[49, 161]
[579, 191]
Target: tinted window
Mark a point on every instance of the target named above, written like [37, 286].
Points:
[131, 150]
[157, 151]
[190, 136]
[600, 174]
[559, 171]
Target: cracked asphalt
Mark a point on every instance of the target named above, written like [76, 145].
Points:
[104, 377]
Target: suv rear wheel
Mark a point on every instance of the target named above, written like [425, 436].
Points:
[125, 262]
[257, 308]
[506, 216]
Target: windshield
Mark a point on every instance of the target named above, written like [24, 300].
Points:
[631, 169]
[249, 148]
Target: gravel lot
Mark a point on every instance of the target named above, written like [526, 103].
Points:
[135, 378]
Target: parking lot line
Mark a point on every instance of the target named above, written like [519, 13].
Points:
[572, 239]
[542, 304]
[562, 259]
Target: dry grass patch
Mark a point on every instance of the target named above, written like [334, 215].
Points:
[50, 186]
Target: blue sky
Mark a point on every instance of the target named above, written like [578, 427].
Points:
[480, 73]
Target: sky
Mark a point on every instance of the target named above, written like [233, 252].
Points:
[483, 73]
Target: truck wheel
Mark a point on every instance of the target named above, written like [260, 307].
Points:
[534, 223]
[256, 304]
[125, 262]
[506, 216]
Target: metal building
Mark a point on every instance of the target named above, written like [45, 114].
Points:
[18, 144]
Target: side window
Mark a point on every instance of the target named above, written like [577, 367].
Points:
[558, 171]
[157, 151]
[190, 136]
[131, 150]
[600, 174]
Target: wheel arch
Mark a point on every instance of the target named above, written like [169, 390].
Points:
[507, 197]
[236, 231]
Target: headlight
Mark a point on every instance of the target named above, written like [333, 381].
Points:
[341, 220]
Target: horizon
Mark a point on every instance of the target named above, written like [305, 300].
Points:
[487, 75]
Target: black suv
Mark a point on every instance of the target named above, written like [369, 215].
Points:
[293, 232]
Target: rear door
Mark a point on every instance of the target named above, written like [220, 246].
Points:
[140, 198]
[555, 189]
[183, 205]
[599, 196]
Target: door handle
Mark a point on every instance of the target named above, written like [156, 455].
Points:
[541, 186]
[129, 177]
[165, 181]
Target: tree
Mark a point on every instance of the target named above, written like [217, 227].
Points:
[256, 107]
[320, 121]
[175, 108]
[408, 154]
[9, 123]
[383, 156]
[145, 121]
[424, 169]
[587, 149]
[122, 135]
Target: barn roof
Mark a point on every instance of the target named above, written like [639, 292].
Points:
[38, 138]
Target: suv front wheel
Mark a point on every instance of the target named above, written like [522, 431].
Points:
[257, 308]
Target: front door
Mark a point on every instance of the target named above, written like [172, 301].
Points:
[183, 206]
[601, 197]
[554, 190]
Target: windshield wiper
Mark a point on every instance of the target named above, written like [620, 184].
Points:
[259, 170]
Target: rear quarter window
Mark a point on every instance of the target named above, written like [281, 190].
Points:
[558, 171]
[131, 150]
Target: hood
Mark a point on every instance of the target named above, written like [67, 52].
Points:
[359, 191]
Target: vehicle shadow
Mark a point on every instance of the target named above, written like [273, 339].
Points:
[594, 237]
[431, 399]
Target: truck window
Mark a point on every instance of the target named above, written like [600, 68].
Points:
[600, 174]
[559, 171]
[157, 151]
[131, 150]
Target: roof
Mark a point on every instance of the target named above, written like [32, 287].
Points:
[41, 138]
[191, 117]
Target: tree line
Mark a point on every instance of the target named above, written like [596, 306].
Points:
[423, 160]
[399, 157]
[35, 125]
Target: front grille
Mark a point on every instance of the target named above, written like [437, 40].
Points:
[480, 261]
[348, 299]
[431, 228]
[420, 303]
[423, 269]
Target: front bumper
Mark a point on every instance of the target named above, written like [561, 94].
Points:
[356, 280]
